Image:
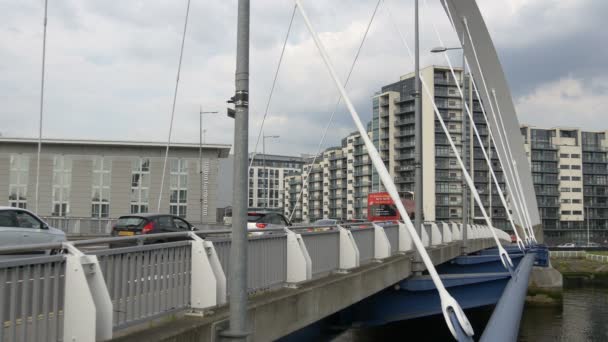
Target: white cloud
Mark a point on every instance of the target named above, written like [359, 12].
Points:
[111, 65]
[568, 102]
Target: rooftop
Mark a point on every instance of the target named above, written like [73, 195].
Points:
[223, 148]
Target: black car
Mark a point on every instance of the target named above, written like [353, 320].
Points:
[150, 223]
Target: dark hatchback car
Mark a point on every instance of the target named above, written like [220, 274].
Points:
[140, 224]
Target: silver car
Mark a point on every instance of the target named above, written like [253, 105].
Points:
[22, 227]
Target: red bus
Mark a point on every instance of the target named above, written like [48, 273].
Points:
[380, 207]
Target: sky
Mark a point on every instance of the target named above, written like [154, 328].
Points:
[111, 66]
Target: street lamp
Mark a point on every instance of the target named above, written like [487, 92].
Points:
[444, 49]
[200, 157]
[267, 183]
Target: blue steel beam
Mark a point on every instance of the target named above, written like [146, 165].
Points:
[504, 323]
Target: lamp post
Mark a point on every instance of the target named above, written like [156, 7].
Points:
[200, 157]
[267, 183]
[465, 192]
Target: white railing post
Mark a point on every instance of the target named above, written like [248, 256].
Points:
[405, 240]
[87, 311]
[382, 247]
[208, 281]
[435, 235]
[425, 238]
[456, 231]
[349, 252]
[299, 264]
[446, 232]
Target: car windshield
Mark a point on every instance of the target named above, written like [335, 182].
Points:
[129, 221]
[325, 222]
[255, 217]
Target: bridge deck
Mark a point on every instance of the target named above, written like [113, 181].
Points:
[277, 313]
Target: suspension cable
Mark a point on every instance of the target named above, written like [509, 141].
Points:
[41, 106]
[179, 69]
[448, 303]
[504, 256]
[511, 171]
[481, 144]
[516, 204]
[517, 178]
[274, 82]
[333, 113]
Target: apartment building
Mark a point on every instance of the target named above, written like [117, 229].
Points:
[343, 176]
[337, 186]
[107, 179]
[267, 176]
[569, 171]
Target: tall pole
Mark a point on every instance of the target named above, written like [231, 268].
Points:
[41, 105]
[465, 188]
[265, 179]
[200, 161]
[418, 136]
[238, 253]
[200, 157]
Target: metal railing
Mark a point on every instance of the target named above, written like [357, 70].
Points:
[132, 280]
[579, 255]
[32, 293]
[81, 226]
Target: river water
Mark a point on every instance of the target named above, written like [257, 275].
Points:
[582, 317]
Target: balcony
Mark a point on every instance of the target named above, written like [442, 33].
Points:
[404, 156]
[409, 121]
[445, 81]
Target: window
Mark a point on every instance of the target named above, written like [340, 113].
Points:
[17, 189]
[577, 156]
[451, 103]
[62, 178]
[575, 167]
[564, 178]
[577, 212]
[452, 91]
[564, 190]
[25, 220]
[564, 167]
[564, 155]
[7, 219]
[566, 212]
[576, 201]
[178, 187]
[180, 224]
[140, 185]
[565, 200]
[576, 189]
[102, 168]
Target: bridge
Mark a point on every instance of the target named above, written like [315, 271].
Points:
[177, 290]
[287, 283]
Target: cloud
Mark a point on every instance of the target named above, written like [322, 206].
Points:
[567, 102]
[111, 65]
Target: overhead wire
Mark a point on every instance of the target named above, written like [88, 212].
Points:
[179, 69]
[272, 87]
[473, 124]
[503, 141]
[505, 259]
[335, 109]
[448, 303]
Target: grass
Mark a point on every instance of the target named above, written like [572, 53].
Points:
[598, 252]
